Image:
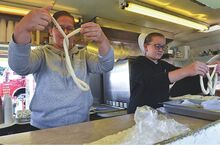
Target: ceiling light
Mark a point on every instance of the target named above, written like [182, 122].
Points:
[13, 10]
[161, 15]
[20, 11]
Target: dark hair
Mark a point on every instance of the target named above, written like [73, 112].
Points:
[149, 37]
[62, 13]
[58, 14]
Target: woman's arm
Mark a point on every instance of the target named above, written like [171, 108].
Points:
[196, 68]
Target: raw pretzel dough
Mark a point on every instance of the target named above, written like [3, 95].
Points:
[81, 84]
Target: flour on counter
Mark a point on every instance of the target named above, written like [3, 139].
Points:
[150, 128]
[195, 97]
[208, 135]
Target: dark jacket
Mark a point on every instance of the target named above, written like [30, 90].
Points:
[149, 83]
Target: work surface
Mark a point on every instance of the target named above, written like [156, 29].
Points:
[87, 132]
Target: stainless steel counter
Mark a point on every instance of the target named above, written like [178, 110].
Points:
[87, 132]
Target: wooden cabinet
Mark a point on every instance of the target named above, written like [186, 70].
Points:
[7, 25]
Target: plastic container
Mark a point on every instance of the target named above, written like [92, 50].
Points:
[1, 112]
[9, 30]
[8, 109]
[2, 30]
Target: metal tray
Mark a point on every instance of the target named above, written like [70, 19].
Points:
[197, 112]
[104, 108]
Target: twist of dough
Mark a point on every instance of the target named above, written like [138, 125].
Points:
[211, 82]
[81, 84]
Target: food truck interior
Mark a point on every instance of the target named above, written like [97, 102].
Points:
[192, 34]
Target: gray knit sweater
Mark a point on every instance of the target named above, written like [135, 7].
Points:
[57, 100]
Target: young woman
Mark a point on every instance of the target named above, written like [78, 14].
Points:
[150, 76]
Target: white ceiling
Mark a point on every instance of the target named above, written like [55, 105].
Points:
[215, 4]
[109, 9]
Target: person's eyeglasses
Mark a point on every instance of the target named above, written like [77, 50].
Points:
[68, 28]
[159, 46]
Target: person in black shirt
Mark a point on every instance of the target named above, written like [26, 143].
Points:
[150, 76]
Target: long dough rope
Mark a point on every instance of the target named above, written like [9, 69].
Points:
[211, 82]
[81, 84]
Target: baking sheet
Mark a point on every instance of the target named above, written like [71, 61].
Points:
[197, 112]
[104, 108]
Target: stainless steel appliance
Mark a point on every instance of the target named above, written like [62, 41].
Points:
[117, 84]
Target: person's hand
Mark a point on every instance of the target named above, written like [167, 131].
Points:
[218, 67]
[37, 19]
[196, 68]
[93, 32]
